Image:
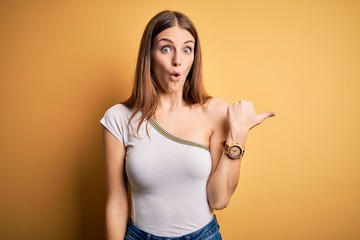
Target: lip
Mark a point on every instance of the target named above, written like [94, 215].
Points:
[175, 76]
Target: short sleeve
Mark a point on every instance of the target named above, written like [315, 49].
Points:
[116, 121]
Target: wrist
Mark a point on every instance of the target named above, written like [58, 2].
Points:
[238, 137]
[234, 151]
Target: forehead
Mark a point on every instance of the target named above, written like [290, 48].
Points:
[175, 33]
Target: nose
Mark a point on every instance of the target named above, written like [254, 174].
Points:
[176, 59]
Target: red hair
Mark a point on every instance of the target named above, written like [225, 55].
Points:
[144, 97]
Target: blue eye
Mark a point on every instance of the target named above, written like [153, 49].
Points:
[165, 49]
[187, 50]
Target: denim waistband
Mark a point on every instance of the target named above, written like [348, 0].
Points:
[134, 233]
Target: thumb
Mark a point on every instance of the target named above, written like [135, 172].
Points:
[265, 115]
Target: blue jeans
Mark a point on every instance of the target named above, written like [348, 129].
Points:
[209, 232]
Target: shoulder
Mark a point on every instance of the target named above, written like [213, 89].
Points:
[117, 114]
[118, 111]
[216, 108]
[116, 120]
[216, 112]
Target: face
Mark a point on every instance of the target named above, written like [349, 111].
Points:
[172, 58]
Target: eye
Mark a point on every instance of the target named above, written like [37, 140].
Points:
[165, 49]
[187, 50]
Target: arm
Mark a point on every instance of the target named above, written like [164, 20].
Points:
[117, 209]
[232, 123]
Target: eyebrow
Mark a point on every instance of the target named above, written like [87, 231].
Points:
[168, 40]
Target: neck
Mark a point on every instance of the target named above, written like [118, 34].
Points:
[170, 102]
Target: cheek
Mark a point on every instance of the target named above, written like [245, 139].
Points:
[155, 67]
[159, 64]
[190, 63]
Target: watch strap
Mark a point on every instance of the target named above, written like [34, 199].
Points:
[227, 148]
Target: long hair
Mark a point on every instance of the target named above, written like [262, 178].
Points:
[144, 97]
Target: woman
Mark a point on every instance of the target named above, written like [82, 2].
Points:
[166, 142]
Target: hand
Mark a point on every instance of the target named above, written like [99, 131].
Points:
[242, 117]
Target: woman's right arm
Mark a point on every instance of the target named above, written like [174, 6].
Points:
[117, 206]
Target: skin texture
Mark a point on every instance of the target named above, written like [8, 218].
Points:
[172, 58]
[208, 124]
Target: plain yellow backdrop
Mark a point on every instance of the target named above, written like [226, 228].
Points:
[63, 63]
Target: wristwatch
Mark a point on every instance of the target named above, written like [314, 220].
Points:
[234, 151]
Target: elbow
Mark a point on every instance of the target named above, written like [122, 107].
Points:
[219, 197]
[219, 206]
[219, 203]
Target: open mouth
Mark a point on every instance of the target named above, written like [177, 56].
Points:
[175, 76]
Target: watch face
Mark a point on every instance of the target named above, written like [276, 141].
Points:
[235, 152]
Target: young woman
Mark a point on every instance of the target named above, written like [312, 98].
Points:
[176, 148]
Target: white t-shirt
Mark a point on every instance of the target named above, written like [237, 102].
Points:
[167, 175]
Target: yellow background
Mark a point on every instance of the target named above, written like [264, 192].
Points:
[63, 63]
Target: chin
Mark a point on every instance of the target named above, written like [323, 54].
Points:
[177, 88]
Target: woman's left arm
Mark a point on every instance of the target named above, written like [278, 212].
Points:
[231, 123]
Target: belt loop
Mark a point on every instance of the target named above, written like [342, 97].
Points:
[148, 236]
[216, 221]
